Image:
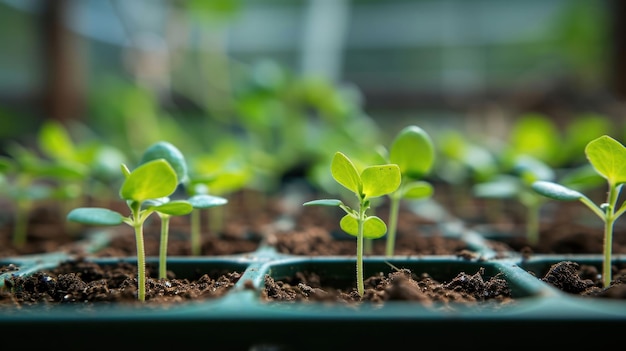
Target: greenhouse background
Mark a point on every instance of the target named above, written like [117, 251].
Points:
[470, 65]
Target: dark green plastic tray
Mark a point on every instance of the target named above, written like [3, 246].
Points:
[242, 320]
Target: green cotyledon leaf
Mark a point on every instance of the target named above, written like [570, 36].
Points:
[171, 154]
[373, 227]
[380, 180]
[154, 179]
[608, 157]
[418, 190]
[175, 208]
[555, 191]
[323, 202]
[345, 173]
[207, 201]
[413, 151]
[95, 216]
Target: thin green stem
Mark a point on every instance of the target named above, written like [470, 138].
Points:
[137, 220]
[609, 219]
[165, 223]
[195, 232]
[359, 252]
[141, 262]
[393, 224]
[20, 226]
[606, 264]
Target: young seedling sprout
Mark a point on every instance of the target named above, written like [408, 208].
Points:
[413, 151]
[148, 182]
[199, 202]
[28, 179]
[516, 185]
[167, 151]
[608, 158]
[372, 182]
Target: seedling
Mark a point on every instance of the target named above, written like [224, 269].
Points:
[96, 164]
[608, 158]
[58, 169]
[413, 151]
[167, 151]
[372, 182]
[218, 174]
[517, 185]
[28, 179]
[461, 163]
[141, 189]
[200, 202]
[536, 135]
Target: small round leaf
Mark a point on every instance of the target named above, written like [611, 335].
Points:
[350, 225]
[608, 157]
[95, 216]
[380, 180]
[418, 190]
[150, 180]
[171, 154]
[413, 151]
[206, 201]
[555, 191]
[345, 173]
[374, 228]
[175, 208]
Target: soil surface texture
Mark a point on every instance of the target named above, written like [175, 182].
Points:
[584, 280]
[400, 285]
[79, 282]
[310, 231]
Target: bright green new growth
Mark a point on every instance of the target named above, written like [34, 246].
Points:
[413, 151]
[197, 202]
[373, 181]
[141, 189]
[168, 152]
[608, 158]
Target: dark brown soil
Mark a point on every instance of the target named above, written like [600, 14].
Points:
[242, 231]
[316, 233]
[316, 241]
[309, 235]
[230, 242]
[565, 228]
[78, 282]
[563, 238]
[401, 285]
[47, 232]
[584, 280]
